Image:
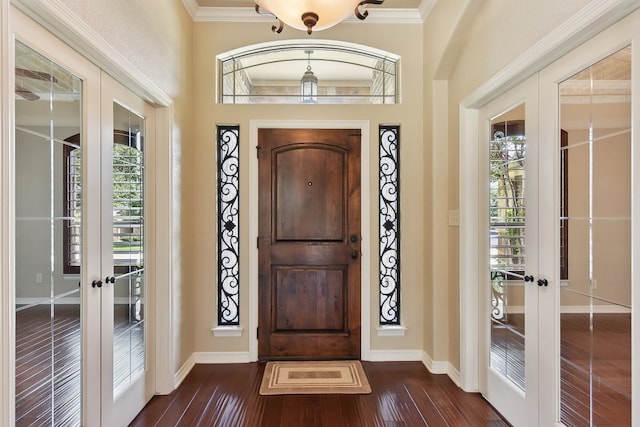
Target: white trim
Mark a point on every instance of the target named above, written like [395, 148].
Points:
[167, 233]
[454, 374]
[435, 366]
[365, 219]
[425, 8]
[248, 14]
[589, 21]
[227, 331]
[184, 370]
[7, 237]
[391, 331]
[192, 7]
[469, 290]
[599, 309]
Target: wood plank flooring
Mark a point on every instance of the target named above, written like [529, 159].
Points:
[595, 375]
[595, 384]
[48, 361]
[404, 394]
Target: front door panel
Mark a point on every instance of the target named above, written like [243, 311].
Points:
[309, 245]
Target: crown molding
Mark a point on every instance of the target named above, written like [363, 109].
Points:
[425, 8]
[192, 7]
[248, 14]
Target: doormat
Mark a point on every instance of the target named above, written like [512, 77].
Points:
[314, 377]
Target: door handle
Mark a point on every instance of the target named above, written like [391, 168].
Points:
[528, 278]
[543, 282]
[96, 284]
[354, 255]
[109, 279]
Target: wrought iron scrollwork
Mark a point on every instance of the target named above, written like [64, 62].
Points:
[228, 225]
[498, 288]
[389, 225]
[275, 29]
[362, 16]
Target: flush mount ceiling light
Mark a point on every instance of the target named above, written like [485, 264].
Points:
[312, 15]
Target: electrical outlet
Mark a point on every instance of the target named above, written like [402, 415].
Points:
[38, 277]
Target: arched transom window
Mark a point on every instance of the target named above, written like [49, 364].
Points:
[308, 71]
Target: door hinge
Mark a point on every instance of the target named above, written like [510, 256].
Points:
[257, 332]
[258, 151]
[258, 242]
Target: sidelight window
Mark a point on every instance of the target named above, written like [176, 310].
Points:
[389, 158]
[228, 225]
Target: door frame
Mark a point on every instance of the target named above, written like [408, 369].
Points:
[365, 191]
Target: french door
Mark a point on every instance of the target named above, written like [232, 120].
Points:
[127, 130]
[82, 323]
[509, 139]
[561, 248]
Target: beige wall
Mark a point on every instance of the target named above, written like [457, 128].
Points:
[157, 40]
[211, 39]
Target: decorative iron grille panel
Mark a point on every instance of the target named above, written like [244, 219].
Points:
[389, 156]
[228, 225]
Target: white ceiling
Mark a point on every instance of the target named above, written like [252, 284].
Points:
[402, 4]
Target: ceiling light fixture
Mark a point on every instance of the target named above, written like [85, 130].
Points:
[312, 15]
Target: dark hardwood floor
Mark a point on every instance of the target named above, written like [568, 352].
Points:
[404, 394]
[595, 374]
[595, 384]
[49, 358]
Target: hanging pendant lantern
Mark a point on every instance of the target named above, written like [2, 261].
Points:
[309, 83]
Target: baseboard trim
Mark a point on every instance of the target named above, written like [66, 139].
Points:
[601, 308]
[64, 300]
[433, 366]
[184, 370]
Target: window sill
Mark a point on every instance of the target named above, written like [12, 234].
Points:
[392, 331]
[227, 331]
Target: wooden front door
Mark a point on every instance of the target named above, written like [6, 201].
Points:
[309, 243]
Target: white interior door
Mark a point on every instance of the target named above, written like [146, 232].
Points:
[84, 146]
[127, 134]
[57, 120]
[591, 147]
[509, 297]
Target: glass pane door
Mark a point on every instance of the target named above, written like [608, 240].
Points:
[510, 300]
[49, 221]
[127, 384]
[596, 170]
[507, 160]
[128, 247]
